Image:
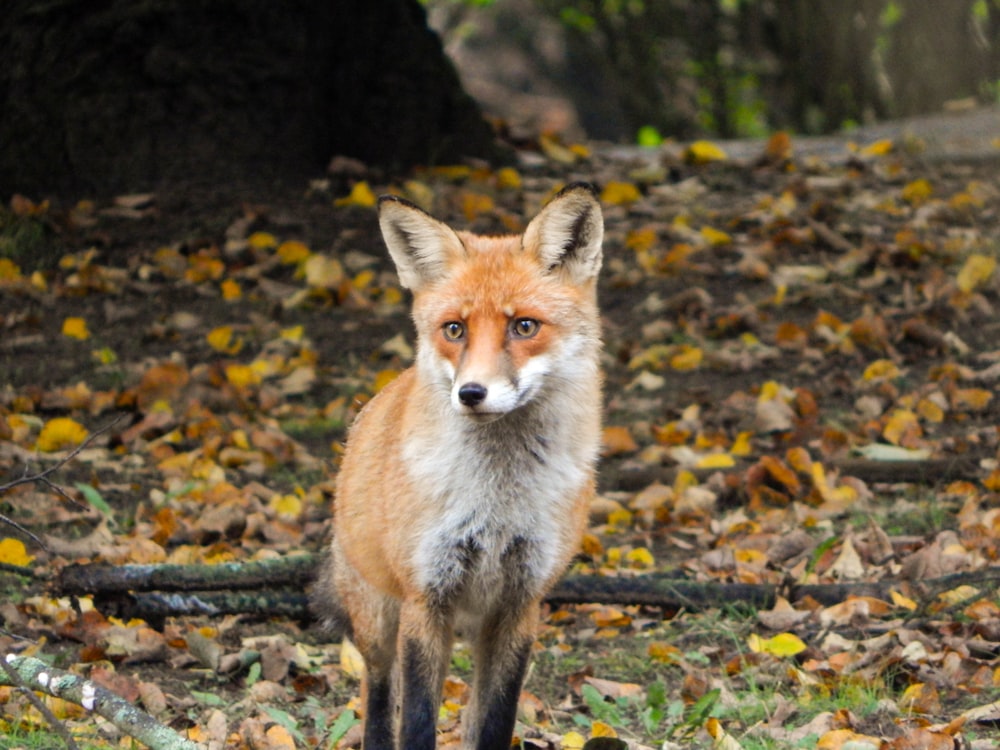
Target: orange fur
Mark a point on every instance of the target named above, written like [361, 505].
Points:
[466, 482]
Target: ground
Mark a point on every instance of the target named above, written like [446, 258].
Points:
[779, 328]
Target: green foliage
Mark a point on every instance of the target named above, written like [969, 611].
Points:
[23, 239]
[649, 136]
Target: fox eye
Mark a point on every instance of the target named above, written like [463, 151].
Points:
[524, 328]
[453, 330]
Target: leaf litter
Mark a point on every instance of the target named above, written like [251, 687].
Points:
[801, 369]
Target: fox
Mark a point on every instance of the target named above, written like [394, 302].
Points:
[464, 489]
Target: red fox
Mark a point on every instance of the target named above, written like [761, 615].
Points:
[465, 487]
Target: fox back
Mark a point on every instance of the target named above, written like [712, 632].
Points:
[466, 483]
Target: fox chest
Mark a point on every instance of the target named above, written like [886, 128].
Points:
[474, 567]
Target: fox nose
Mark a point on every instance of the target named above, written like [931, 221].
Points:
[472, 394]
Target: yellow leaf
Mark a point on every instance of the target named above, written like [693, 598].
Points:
[703, 152]
[475, 205]
[714, 236]
[917, 192]
[781, 645]
[231, 290]
[901, 427]
[105, 355]
[641, 240]
[9, 270]
[572, 741]
[620, 193]
[902, 601]
[664, 652]
[716, 461]
[974, 399]
[878, 148]
[689, 358]
[221, 339]
[741, 445]
[640, 557]
[293, 334]
[13, 552]
[508, 178]
[75, 328]
[619, 517]
[453, 172]
[242, 376]
[930, 411]
[351, 661]
[262, 241]
[958, 594]
[323, 271]
[770, 391]
[555, 150]
[279, 738]
[293, 252]
[600, 729]
[881, 369]
[60, 433]
[364, 279]
[286, 506]
[361, 195]
[617, 440]
[977, 270]
[383, 378]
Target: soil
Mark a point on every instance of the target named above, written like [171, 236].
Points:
[712, 301]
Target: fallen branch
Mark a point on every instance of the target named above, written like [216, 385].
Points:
[154, 590]
[133, 721]
[111, 579]
[14, 679]
[927, 471]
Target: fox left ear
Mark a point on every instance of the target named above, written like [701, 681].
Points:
[567, 233]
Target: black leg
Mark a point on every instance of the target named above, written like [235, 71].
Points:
[421, 688]
[379, 733]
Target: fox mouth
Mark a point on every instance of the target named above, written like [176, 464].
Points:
[482, 417]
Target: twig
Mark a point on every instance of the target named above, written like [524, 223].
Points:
[133, 721]
[43, 478]
[37, 702]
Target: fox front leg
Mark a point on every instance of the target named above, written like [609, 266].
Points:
[424, 650]
[500, 658]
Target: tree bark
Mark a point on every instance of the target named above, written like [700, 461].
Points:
[133, 721]
[119, 95]
[214, 590]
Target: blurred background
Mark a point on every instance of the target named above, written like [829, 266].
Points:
[624, 70]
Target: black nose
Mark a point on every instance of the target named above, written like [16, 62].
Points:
[472, 394]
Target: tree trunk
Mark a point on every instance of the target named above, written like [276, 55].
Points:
[122, 95]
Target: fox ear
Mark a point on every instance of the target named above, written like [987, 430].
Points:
[567, 234]
[420, 245]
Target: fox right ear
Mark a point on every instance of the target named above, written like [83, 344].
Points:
[567, 234]
[420, 245]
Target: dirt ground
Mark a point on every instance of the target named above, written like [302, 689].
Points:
[770, 267]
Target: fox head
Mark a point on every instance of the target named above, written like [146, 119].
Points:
[500, 319]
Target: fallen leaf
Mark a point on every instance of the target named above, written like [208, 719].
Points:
[60, 433]
[75, 328]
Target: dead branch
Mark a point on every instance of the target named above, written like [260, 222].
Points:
[294, 570]
[277, 588]
[928, 471]
[15, 680]
[130, 719]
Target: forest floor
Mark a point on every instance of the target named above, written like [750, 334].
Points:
[801, 358]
